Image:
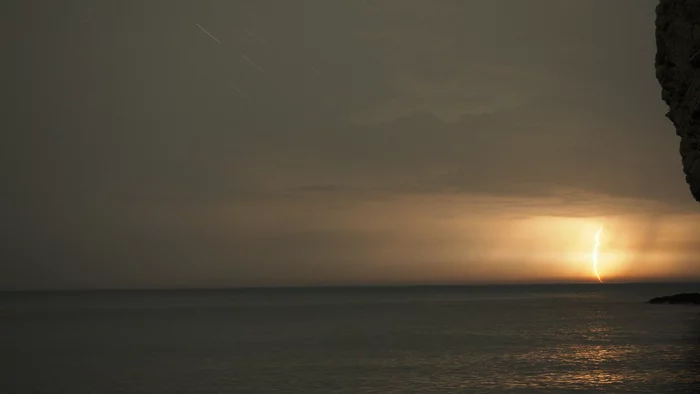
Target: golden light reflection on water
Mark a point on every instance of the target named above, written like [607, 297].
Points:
[588, 360]
[593, 362]
[587, 365]
[590, 350]
[591, 379]
[577, 365]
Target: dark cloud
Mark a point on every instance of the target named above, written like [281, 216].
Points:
[140, 152]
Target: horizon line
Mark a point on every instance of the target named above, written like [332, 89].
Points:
[355, 286]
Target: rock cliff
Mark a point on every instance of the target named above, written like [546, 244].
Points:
[678, 72]
[682, 298]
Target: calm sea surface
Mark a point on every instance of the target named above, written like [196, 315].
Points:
[494, 339]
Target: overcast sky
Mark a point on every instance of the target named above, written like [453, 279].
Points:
[244, 143]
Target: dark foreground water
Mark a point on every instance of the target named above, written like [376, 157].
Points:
[584, 338]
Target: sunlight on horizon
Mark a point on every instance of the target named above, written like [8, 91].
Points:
[463, 238]
[565, 247]
[595, 254]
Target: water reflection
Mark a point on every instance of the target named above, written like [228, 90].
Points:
[590, 379]
[539, 345]
[601, 358]
[591, 366]
[689, 379]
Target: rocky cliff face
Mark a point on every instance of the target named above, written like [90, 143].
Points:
[678, 72]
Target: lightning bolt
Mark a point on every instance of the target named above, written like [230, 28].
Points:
[595, 254]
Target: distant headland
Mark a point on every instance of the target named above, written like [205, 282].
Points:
[682, 298]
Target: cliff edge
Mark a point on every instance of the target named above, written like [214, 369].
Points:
[678, 72]
[682, 298]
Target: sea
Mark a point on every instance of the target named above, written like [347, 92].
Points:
[600, 338]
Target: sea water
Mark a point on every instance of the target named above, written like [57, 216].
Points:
[470, 339]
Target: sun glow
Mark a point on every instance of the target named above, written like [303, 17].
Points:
[595, 254]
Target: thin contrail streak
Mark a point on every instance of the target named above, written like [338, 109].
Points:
[209, 34]
[251, 63]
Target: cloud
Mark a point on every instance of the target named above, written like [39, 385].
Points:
[451, 99]
[318, 188]
[394, 140]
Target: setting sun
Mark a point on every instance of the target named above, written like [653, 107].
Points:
[595, 254]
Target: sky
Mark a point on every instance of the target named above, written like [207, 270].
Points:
[155, 144]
